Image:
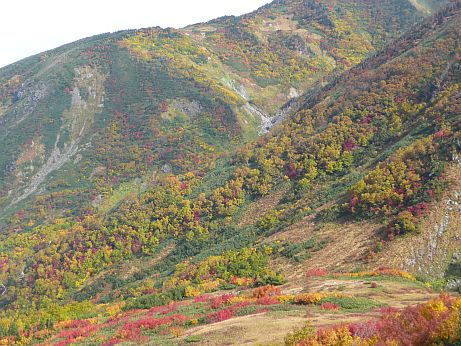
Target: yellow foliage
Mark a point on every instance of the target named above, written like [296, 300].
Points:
[448, 330]
[211, 285]
[380, 272]
[240, 299]
[336, 337]
[23, 341]
[242, 281]
[434, 308]
[177, 331]
[286, 298]
[309, 298]
[312, 298]
[192, 292]
[5, 323]
[115, 309]
[457, 304]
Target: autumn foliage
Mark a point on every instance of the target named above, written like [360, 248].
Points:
[435, 322]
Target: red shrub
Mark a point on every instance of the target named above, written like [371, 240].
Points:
[170, 308]
[330, 306]
[131, 334]
[62, 343]
[439, 134]
[158, 309]
[316, 272]
[349, 145]
[240, 304]
[179, 319]
[387, 310]
[433, 323]
[217, 302]
[84, 329]
[267, 301]
[152, 323]
[364, 330]
[221, 315]
[416, 330]
[354, 202]
[365, 120]
[202, 299]
[419, 209]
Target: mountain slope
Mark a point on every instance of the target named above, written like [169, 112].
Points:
[360, 161]
[86, 123]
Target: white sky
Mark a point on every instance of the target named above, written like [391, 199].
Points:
[28, 27]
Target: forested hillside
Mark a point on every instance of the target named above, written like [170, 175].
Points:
[283, 156]
[91, 121]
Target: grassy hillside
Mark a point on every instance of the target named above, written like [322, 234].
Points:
[139, 197]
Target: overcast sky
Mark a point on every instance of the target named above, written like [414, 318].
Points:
[28, 27]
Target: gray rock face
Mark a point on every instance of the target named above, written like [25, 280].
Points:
[454, 284]
[266, 119]
[293, 93]
[76, 122]
[26, 99]
[190, 108]
[238, 88]
[269, 121]
[242, 92]
[166, 168]
[55, 161]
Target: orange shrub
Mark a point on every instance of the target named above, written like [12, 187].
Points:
[242, 281]
[266, 291]
[266, 300]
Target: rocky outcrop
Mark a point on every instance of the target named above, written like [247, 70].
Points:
[76, 122]
[25, 100]
[269, 121]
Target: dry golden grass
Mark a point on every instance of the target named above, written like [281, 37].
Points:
[348, 243]
[250, 330]
[259, 208]
[271, 328]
